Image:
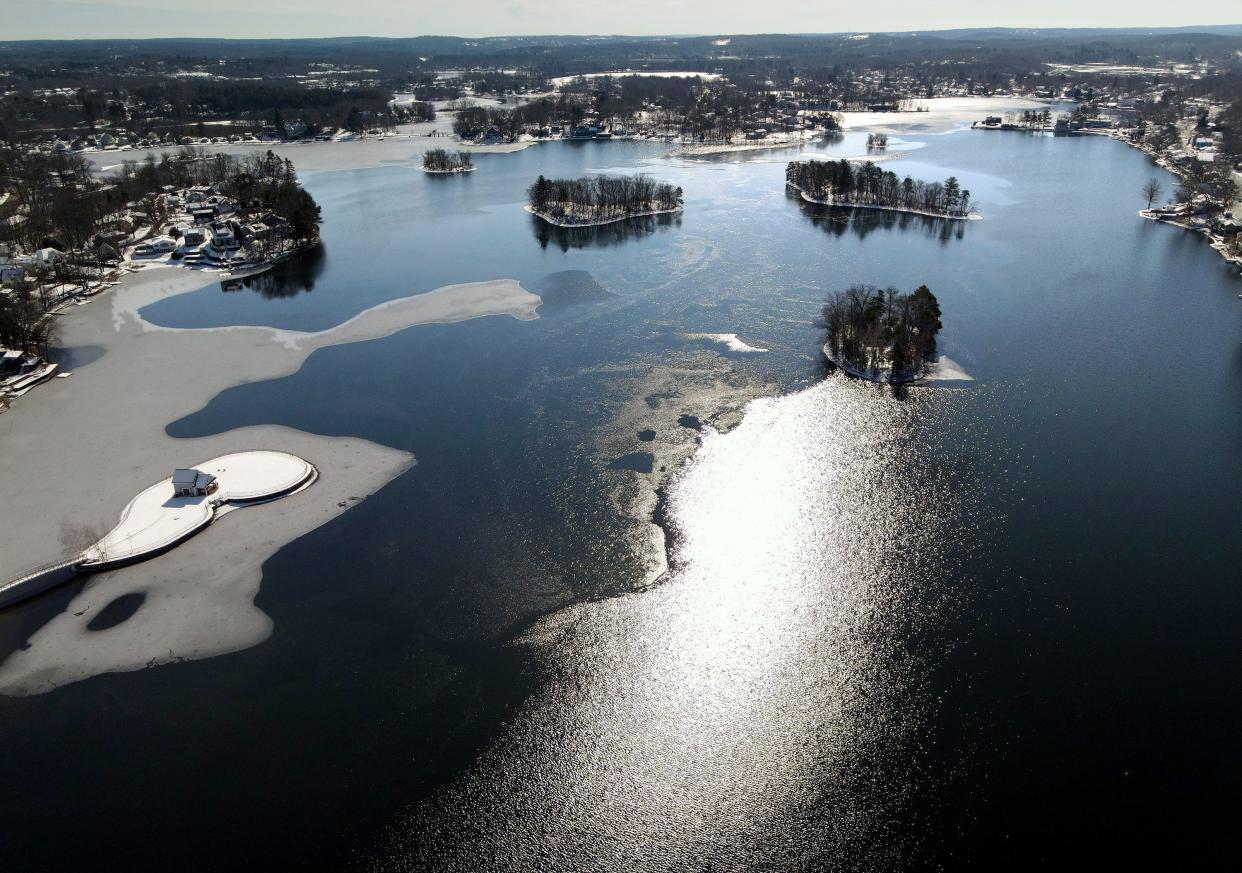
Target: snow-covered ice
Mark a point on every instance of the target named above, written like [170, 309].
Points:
[731, 341]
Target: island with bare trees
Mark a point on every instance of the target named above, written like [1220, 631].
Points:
[443, 161]
[882, 334]
[593, 200]
[867, 186]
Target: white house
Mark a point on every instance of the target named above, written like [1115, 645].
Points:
[223, 238]
[192, 483]
[48, 257]
[163, 244]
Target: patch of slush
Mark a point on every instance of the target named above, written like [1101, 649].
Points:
[731, 341]
[945, 369]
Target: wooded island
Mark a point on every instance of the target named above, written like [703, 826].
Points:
[601, 199]
[840, 183]
[441, 161]
[882, 334]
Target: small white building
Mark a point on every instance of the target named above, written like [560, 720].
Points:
[163, 244]
[192, 483]
[47, 257]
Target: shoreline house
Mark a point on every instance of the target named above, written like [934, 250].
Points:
[192, 483]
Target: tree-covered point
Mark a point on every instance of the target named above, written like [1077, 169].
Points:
[265, 179]
[441, 161]
[602, 198]
[64, 205]
[882, 333]
[844, 184]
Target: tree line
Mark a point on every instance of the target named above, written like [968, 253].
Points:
[882, 331]
[842, 183]
[26, 324]
[592, 198]
[473, 121]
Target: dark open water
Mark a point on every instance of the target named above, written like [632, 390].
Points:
[986, 626]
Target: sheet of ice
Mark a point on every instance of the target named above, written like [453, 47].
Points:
[199, 597]
[403, 148]
[731, 341]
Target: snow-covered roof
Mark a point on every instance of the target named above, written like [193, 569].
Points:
[184, 477]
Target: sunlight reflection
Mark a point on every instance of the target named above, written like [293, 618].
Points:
[757, 681]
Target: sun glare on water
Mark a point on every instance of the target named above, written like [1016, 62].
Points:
[710, 716]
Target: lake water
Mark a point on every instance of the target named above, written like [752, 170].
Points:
[987, 625]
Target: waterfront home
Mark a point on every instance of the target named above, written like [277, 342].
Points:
[48, 257]
[11, 361]
[162, 245]
[258, 230]
[222, 237]
[192, 483]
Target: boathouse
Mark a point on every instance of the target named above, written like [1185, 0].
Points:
[192, 483]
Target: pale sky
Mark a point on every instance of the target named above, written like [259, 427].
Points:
[52, 19]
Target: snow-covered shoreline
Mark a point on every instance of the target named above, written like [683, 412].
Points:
[943, 369]
[1217, 242]
[448, 172]
[690, 150]
[972, 216]
[560, 222]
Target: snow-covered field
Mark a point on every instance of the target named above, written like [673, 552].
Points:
[659, 74]
[943, 114]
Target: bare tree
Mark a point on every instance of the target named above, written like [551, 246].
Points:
[76, 539]
[1152, 190]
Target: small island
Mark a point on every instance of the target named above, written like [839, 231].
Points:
[840, 183]
[877, 140]
[593, 200]
[882, 334]
[442, 161]
[168, 513]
